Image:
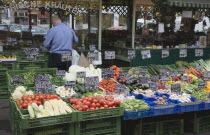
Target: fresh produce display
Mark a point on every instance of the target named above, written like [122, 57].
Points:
[90, 71]
[204, 63]
[94, 103]
[19, 92]
[194, 72]
[53, 107]
[108, 85]
[64, 92]
[146, 93]
[89, 94]
[116, 71]
[134, 104]
[184, 98]
[39, 99]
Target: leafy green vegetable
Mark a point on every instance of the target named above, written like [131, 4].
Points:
[134, 104]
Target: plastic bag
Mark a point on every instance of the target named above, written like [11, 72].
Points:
[76, 57]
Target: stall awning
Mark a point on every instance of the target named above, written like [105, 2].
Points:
[190, 3]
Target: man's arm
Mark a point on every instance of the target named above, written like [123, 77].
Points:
[49, 37]
[75, 38]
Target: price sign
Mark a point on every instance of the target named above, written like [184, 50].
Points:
[11, 41]
[201, 84]
[176, 88]
[143, 71]
[122, 74]
[131, 54]
[182, 53]
[119, 88]
[92, 47]
[31, 53]
[145, 54]
[42, 84]
[164, 78]
[153, 85]
[143, 80]
[181, 70]
[206, 75]
[184, 78]
[154, 78]
[109, 55]
[80, 48]
[199, 68]
[60, 73]
[70, 84]
[198, 52]
[173, 74]
[81, 74]
[66, 57]
[130, 79]
[93, 56]
[165, 53]
[163, 72]
[17, 80]
[91, 83]
[107, 73]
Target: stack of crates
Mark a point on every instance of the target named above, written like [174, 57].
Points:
[203, 124]
[23, 63]
[3, 81]
[55, 125]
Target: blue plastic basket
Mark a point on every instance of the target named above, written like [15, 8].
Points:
[137, 114]
[189, 107]
[162, 110]
[162, 94]
[206, 105]
[137, 96]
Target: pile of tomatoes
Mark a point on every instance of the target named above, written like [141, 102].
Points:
[94, 103]
[117, 71]
[108, 85]
[39, 99]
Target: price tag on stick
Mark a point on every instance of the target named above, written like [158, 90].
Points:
[92, 47]
[81, 74]
[109, 55]
[153, 85]
[199, 68]
[17, 80]
[122, 74]
[66, 57]
[42, 84]
[173, 74]
[184, 78]
[181, 70]
[175, 88]
[163, 72]
[60, 73]
[154, 78]
[107, 73]
[143, 71]
[70, 84]
[201, 84]
[91, 83]
[143, 80]
[119, 88]
[31, 53]
[164, 79]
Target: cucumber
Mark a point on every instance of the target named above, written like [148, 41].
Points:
[81, 88]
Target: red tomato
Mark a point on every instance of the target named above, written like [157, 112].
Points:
[78, 102]
[117, 102]
[106, 106]
[102, 108]
[20, 107]
[97, 108]
[29, 99]
[90, 100]
[71, 101]
[41, 97]
[84, 101]
[88, 103]
[93, 105]
[92, 108]
[17, 102]
[25, 106]
[21, 101]
[33, 97]
[80, 109]
[101, 102]
[85, 107]
[39, 103]
[114, 107]
[110, 104]
[98, 105]
[37, 99]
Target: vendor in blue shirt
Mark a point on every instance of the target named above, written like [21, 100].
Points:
[59, 39]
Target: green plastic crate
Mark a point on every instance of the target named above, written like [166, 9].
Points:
[12, 73]
[8, 66]
[108, 126]
[21, 57]
[4, 92]
[58, 129]
[100, 114]
[24, 121]
[31, 65]
[172, 127]
[203, 124]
